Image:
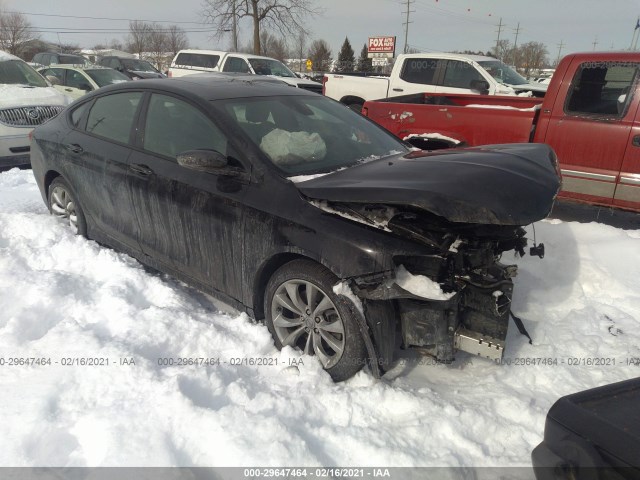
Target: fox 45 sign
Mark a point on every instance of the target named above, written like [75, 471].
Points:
[381, 47]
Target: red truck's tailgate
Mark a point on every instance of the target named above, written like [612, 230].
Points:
[471, 119]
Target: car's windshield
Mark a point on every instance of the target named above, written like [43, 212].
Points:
[18, 72]
[264, 66]
[502, 72]
[138, 66]
[104, 77]
[304, 135]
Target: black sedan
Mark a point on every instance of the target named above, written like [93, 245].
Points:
[293, 208]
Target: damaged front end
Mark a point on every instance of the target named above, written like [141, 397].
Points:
[455, 296]
[465, 208]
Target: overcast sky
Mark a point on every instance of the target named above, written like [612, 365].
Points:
[438, 25]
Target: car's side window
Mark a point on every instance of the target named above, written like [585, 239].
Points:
[420, 70]
[461, 75]
[235, 64]
[54, 72]
[173, 126]
[78, 112]
[602, 89]
[112, 116]
[76, 79]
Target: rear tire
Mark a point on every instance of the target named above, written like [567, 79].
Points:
[63, 204]
[302, 311]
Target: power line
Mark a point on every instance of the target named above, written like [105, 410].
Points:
[105, 18]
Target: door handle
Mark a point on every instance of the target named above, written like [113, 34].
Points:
[75, 148]
[636, 141]
[398, 89]
[141, 169]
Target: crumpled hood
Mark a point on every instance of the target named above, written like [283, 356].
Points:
[20, 96]
[512, 184]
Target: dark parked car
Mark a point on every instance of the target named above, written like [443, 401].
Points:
[132, 67]
[593, 434]
[53, 58]
[301, 212]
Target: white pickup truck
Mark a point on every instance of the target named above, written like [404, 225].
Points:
[188, 62]
[432, 73]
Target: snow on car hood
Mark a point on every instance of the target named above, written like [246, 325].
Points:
[22, 96]
[512, 184]
[533, 87]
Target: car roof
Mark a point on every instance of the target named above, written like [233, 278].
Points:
[73, 66]
[212, 87]
[452, 56]
[4, 56]
[205, 52]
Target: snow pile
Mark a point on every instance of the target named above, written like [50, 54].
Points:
[420, 285]
[66, 298]
[432, 136]
[505, 107]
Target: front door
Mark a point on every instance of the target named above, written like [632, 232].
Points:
[591, 130]
[190, 221]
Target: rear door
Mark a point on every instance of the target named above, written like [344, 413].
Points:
[98, 149]
[591, 130]
[190, 221]
[418, 75]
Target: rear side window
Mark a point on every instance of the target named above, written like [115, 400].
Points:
[235, 64]
[602, 89]
[420, 70]
[174, 126]
[461, 75]
[77, 113]
[198, 60]
[112, 116]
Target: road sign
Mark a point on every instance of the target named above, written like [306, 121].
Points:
[309, 64]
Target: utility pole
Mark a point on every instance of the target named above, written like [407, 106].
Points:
[500, 25]
[595, 42]
[634, 39]
[235, 28]
[560, 45]
[515, 45]
[406, 24]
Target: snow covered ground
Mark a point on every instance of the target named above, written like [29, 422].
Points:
[63, 297]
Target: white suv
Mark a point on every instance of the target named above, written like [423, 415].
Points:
[188, 62]
[26, 101]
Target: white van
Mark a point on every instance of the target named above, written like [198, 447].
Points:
[188, 62]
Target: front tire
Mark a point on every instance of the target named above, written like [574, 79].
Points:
[63, 204]
[302, 311]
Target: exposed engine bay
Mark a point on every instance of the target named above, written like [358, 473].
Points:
[471, 313]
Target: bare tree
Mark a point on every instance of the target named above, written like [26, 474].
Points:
[320, 55]
[533, 56]
[285, 16]
[272, 46]
[300, 48]
[158, 40]
[138, 40]
[176, 39]
[15, 31]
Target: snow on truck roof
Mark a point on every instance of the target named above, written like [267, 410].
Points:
[451, 56]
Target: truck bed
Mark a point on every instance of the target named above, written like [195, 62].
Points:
[470, 119]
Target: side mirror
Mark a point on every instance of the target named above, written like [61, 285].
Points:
[202, 160]
[53, 79]
[481, 86]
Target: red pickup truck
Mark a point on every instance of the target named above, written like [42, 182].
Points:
[589, 116]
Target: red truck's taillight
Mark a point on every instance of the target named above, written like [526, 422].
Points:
[325, 79]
